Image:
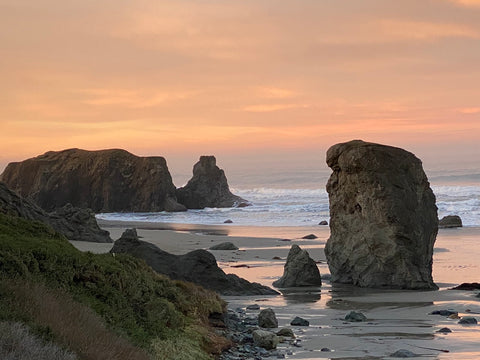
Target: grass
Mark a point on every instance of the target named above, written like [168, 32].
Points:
[135, 303]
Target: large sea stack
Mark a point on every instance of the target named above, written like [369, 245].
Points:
[208, 187]
[104, 181]
[383, 217]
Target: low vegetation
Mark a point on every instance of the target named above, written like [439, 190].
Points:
[100, 306]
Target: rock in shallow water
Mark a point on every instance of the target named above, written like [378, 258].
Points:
[265, 339]
[298, 321]
[354, 316]
[267, 319]
[299, 270]
[383, 217]
[224, 246]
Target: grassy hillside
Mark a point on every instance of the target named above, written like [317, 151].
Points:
[56, 290]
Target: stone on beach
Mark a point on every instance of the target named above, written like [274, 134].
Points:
[286, 332]
[354, 316]
[323, 222]
[267, 319]
[224, 246]
[402, 353]
[468, 320]
[383, 217]
[265, 339]
[298, 321]
[310, 237]
[208, 187]
[299, 270]
[198, 266]
[450, 221]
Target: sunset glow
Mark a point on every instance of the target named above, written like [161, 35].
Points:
[185, 78]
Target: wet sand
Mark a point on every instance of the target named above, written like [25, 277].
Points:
[396, 319]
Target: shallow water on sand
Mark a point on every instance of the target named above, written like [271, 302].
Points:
[396, 319]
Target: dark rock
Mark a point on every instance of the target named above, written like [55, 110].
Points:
[467, 320]
[74, 223]
[467, 286]
[104, 181]
[267, 319]
[404, 354]
[444, 330]
[224, 246]
[207, 188]
[253, 307]
[325, 350]
[228, 221]
[450, 221]
[323, 222]
[265, 339]
[198, 266]
[310, 237]
[286, 332]
[383, 217]
[298, 321]
[444, 312]
[354, 316]
[299, 270]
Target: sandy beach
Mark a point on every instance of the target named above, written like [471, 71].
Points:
[396, 319]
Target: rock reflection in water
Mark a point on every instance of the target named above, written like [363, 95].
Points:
[301, 295]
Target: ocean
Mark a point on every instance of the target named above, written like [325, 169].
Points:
[299, 198]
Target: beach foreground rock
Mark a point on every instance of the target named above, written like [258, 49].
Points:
[450, 221]
[104, 181]
[383, 217]
[74, 223]
[198, 266]
[299, 270]
[208, 187]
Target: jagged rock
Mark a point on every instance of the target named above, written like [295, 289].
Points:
[267, 319]
[354, 316]
[450, 221]
[224, 246]
[299, 270]
[208, 187]
[298, 321]
[383, 218]
[198, 266]
[265, 339]
[104, 181]
[74, 223]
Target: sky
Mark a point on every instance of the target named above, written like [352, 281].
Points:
[257, 83]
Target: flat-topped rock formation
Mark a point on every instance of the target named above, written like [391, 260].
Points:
[104, 181]
[198, 266]
[208, 187]
[73, 223]
[383, 217]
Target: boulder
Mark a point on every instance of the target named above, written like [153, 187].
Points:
[299, 270]
[224, 246]
[450, 221]
[383, 217]
[104, 181]
[468, 320]
[267, 319]
[310, 237]
[354, 316]
[298, 321]
[198, 266]
[323, 222]
[208, 187]
[265, 339]
[74, 223]
[286, 332]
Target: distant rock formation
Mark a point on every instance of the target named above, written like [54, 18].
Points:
[299, 270]
[73, 223]
[450, 221]
[383, 218]
[208, 187]
[104, 181]
[198, 266]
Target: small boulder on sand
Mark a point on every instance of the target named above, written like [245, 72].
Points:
[450, 221]
[224, 246]
[299, 270]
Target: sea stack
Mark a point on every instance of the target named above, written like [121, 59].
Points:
[383, 217]
[208, 187]
[104, 181]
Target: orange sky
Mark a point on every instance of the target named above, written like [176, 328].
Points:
[260, 80]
